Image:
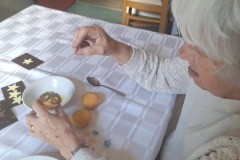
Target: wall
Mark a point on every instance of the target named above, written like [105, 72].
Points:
[10, 7]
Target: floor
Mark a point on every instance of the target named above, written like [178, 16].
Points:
[96, 12]
[113, 4]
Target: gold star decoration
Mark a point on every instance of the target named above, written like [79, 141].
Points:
[27, 61]
[14, 94]
[17, 100]
[12, 87]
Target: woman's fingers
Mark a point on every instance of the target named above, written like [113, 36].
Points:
[83, 45]
[60, 113]
[78, 42]
[39, 108]
[79, 38]
[32, 123]
[91, 50]
[29, 118]
[32, 114]
[85, 37]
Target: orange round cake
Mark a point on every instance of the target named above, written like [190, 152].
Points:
[50, 99]
[90, 100]
[81, 118]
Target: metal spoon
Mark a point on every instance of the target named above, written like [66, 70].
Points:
[93, 81]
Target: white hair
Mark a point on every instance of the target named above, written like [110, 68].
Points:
[214, 27]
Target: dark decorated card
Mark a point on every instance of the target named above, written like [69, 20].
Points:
[27, 61]
[7, 117]
[13, 93]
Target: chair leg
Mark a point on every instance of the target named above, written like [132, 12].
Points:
[163, 24]
[164, 16]
[124, 16]
[124, 13]
[125, 19]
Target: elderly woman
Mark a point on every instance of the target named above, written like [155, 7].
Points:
[207, 71]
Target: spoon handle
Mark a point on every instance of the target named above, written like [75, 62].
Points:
[116, 91]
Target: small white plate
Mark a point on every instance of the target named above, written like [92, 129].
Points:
[61, 85]
[38, 157]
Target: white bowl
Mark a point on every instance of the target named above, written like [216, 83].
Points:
[61, 85]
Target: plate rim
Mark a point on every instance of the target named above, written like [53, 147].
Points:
[38, 156]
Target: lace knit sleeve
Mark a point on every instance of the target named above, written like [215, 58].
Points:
[154, 73]
[87, 154]
[224, 148]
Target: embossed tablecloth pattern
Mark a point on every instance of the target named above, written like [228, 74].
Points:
[135, 124]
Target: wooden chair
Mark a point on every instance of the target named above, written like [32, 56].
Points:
[157, 7]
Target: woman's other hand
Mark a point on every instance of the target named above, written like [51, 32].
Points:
[93, 40]
[55, 129]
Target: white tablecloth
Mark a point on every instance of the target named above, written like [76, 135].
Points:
[135, 124]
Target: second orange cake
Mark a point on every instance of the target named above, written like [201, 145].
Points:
[90, 100]
[81, 118]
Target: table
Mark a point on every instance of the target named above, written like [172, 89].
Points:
[135, 124]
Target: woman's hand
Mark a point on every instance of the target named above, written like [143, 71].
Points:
[55, 129]
[92, 40]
